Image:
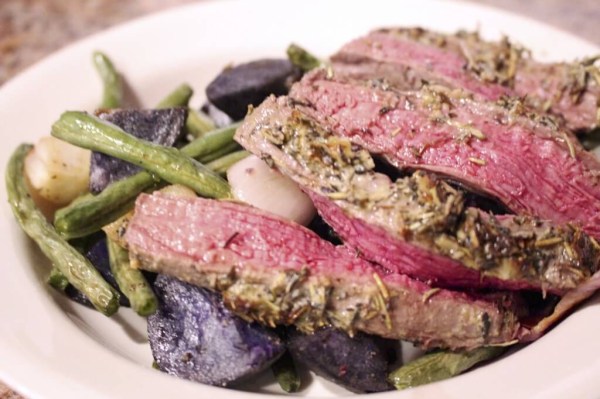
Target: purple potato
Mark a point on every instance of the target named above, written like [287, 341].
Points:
[249, 84]
[160, 126]
[360, 363]
[193, 336]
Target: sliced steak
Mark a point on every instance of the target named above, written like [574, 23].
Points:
[409, 57]
[562, 308]
[160, 126]
[523, 160]
[416, 225]
[277, 272]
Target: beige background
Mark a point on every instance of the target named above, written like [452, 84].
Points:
[31, 29]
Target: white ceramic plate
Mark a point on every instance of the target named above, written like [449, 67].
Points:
[52, 348]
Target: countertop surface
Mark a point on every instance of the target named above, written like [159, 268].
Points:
[32, 29]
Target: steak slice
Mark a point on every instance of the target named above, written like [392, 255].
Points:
[562, 308]
[523, 160]
[416, 225]
[277, 272]
[408, 57]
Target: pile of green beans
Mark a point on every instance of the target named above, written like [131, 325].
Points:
[89, 213]
[170, 164]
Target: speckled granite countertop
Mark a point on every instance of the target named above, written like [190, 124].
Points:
[32, 29]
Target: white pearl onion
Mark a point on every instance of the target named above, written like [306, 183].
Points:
[253, 182]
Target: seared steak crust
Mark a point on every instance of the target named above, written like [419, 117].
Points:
[276, 272]
[416, 225]
[490, 70]
[522, 159]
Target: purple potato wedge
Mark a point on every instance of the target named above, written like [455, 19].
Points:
[160, 126]
[193, 336]
[234, 89]
[360, 363]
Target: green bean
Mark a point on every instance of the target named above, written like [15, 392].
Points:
[83, 216]
[131, 281]
[302, 58]
[112, 96]
[170, 164]
[88, 213]
[57, 280]
[221, 152]
[210, 142]
[74, 266]
[91, 212]
[180, 97]
[82, 245]
[437, 366]
[220, 165]
[286, 374]
[197, 123]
